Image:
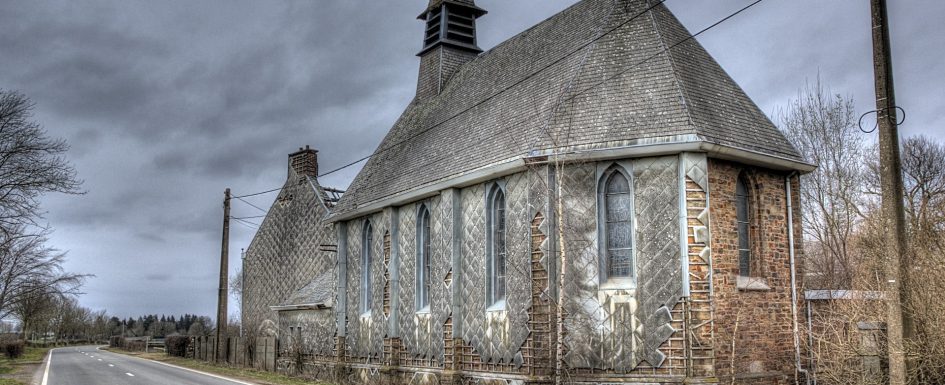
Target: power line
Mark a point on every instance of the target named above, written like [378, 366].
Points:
[247, 202]
[571, 97]
[259, 193]
[481, 102]
[604, 81]
[248, 225]
[251, 217]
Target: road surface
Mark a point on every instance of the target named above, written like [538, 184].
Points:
[86, 365]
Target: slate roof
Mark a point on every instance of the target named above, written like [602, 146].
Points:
[595, 76]
[318, 292]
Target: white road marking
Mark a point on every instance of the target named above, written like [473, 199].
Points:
[99, 359]
[198, 372]
[48, 364]
[111, 366]
[185, 369]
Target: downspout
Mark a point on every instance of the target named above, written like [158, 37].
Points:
[810, 343]
[790, 229]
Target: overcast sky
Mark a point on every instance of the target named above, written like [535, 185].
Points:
[167, 103]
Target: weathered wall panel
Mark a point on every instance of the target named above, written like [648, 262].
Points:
[366, 332]
[497, 335]
[422, 332]
[285, 255]
[617, 329]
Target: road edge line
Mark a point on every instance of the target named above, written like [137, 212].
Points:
[188, 369]
[48, 364]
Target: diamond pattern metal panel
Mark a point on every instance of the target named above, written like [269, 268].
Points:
[474, 266]
[497, 335]
[518, 273]
[618, 329]
[696, 169]
[441, 249]
[366, 333]
[407, 245]
[659, 282]
[586, 321]
[285, 256]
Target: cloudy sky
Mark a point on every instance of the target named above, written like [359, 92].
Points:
[168, 103]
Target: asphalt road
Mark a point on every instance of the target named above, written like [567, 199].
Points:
[86, 365]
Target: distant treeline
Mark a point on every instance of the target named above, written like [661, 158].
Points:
[160, 326]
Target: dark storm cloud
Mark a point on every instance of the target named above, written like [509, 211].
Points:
[166, 104]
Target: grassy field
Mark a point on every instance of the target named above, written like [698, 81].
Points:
[249, 375]
[20, 371]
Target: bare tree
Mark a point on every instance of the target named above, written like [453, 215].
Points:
[29, 268]
[824, 129]
[31, 164]
[841, 347]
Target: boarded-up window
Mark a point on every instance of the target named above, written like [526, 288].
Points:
[743, 220]
[423, 258]
[618, 225]
[366, 245]
[497, 245]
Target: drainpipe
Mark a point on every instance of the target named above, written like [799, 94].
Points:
[810, 344]
[790, 229]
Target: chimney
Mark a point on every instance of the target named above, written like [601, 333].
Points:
[304, 162]
[449, 41]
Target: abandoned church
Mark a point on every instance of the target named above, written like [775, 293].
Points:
[593, 200]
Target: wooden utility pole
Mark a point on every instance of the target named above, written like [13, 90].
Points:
[224, 277]
[898, 322]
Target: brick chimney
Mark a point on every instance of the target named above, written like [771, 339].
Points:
[449, 41]
[304, 162]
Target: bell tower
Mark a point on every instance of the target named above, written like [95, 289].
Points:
[449, 41]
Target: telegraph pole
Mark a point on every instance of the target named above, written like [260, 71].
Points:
[898, 322]
[224, 275]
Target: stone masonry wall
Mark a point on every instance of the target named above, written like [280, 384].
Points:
[764, 349]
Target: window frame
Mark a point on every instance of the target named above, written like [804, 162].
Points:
[604, 175]
[745, 242]
[493, 300]
[367, 259]
[424, 265]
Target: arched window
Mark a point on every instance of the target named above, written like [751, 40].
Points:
[617, 225]
[423, 258]
[496, 247]
[367, 243]
[743, 220]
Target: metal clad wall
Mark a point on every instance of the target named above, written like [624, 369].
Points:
[284, 255]
[422, 333]
[617, 329]
[318, 330]
[366, 333]
[408, 270]
[659, 282]
[441, 250]
[497, 335]
[474, 266]
[585, 322]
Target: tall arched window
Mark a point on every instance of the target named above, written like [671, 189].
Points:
[743, 220]
[496, 246]
[367, 243]
[617, 225]
[423, 258]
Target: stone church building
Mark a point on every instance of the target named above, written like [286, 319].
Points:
[600, 160]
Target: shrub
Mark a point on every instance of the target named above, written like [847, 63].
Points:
[177, 345]
[116, 342]
[13, 348]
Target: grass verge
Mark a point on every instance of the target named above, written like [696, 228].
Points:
[245, 374]
[19, 371]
